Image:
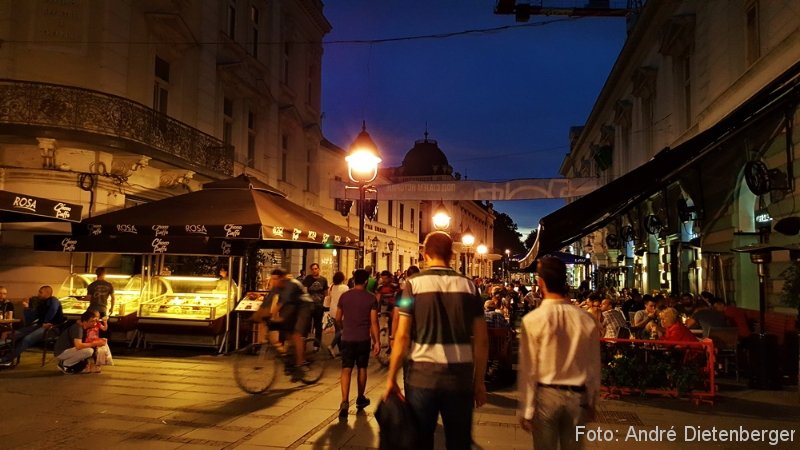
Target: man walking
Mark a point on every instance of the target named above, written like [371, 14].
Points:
[441, 309]
[357, 316]
[559, 363]
[317, 287]
[99, 292]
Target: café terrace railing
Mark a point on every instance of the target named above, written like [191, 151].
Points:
[66, 110]
[669, 368]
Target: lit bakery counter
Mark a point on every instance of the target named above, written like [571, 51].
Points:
[184, 310]
[127, 297]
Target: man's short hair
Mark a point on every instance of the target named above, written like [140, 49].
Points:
[278, 272]
[438, 244]
[368, 269]
[553, 273]
[100, 271]
[89, 314]
[489, 305]
[717, 300]
[312, 266]
[386, 273]
[360, 276]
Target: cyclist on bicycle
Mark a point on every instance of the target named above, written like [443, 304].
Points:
[295, 307]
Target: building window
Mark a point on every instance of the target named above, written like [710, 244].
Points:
[284, 158]
[230, 19]
[161, 86]
[753, 33]
[287, 51]
[308, 170]
[686, 89]
[413, 220]
[390, 210]
[312, 71]
[251, 139]
[227, 121]
[402, 214]
[647, 128]
[254, 31]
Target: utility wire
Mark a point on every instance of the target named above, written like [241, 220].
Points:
[333, 42]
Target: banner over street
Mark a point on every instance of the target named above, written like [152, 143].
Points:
[526, 189]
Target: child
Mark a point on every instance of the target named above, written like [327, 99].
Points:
[102, 355]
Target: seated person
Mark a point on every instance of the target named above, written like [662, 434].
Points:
[671, 328]
[612, 320]
[706, 317]
[70, 350]
[644, 317]
[736, 317]
[494, 318]
[42, 312]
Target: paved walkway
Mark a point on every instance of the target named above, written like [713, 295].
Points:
[159, 400]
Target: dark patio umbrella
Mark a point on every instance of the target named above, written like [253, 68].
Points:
[237, 208]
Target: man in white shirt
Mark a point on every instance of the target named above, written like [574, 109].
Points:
[559, 363]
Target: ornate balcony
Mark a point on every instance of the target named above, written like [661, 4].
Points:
[66, 112]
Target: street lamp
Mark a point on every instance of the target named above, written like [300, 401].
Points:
[482, 250]
[441, 219]
[508, 265]
[362, 165]
[467, 239]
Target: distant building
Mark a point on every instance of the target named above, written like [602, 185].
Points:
[427, 162]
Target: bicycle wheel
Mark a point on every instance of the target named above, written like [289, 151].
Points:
[254, 368]
[316, 361]
[386, 347]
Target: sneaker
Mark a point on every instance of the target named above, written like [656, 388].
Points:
[343, 409]
[362, 402]
[7, 363]
[62, 368]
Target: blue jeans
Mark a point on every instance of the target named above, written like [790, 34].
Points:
[26, 338]
[456, 409]
[557, 415]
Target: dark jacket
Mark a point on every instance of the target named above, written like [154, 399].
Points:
[44, 311]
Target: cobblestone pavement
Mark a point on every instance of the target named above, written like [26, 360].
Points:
[160, 400]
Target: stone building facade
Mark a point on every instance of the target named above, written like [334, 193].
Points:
[683, 81]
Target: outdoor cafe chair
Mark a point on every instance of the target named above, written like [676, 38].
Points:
[726, 343]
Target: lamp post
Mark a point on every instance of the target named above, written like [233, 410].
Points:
[467, 239]
[441, 219]
[482, 250]
[362, 164]
[373, 243]
[508, 267]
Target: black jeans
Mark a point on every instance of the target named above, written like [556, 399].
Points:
[456, 409]
[316, 319]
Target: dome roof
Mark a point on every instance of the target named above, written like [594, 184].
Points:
[426, 158]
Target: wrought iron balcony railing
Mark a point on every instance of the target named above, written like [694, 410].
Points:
[66, 110]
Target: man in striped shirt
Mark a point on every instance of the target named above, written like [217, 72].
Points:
[442, 313]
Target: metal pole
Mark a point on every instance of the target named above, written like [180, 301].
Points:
[362, 194]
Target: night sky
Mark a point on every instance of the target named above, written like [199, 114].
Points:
[499, 103]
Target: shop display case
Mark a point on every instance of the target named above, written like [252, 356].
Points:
[127, 294]
[184, 310]
[127, 297]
